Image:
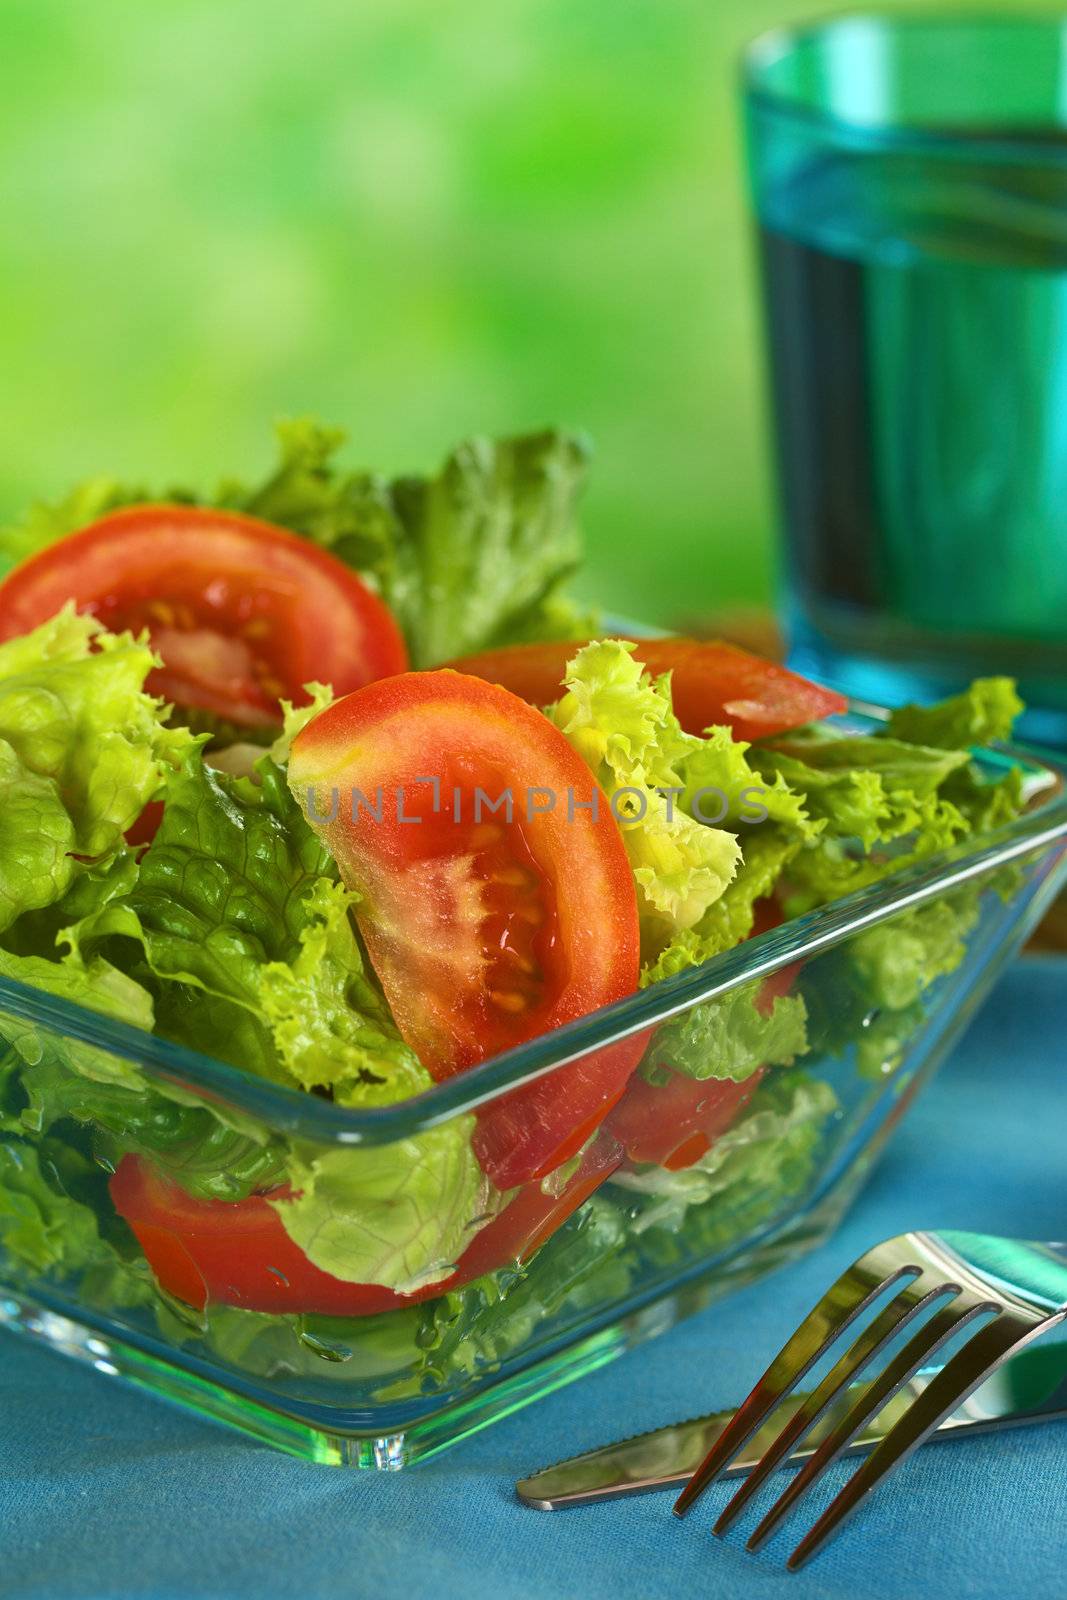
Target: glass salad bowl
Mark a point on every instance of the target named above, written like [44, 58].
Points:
[868, 992]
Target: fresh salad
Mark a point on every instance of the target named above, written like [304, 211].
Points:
[327, 778]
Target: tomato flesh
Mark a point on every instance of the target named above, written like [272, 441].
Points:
[535, 1213]
[237, 1253]
[486, 929]
[673, 1124]
[712, 683]
[242, 613]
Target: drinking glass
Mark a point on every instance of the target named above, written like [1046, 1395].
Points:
[909, 177]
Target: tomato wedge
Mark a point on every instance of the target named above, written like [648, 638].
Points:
[495, 906]
[712, 683]
[536, 1212]
[675, 1123]
[242, 613]
[237, 1253]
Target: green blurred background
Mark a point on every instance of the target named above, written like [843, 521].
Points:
[417, 218]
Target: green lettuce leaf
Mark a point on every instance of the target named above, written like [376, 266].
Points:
[728, 1037]
[896, 961]
[44, 523]
[884, 802]
[486, 544]
[751, 1170]
[297, 717]
[82, 748]
[41, 1228]
[350, 513]
[717, 771]
[399, 1215]
[981, 714]
[50, 1077]
[768, 851]
[584, 1266]
[95, 984]
[867, 788]
[869, 994]
[621, 723]
[208, 1156]
[304, 491]
[426, 1348]
[986, 802]
[55, 1218]
[330, 1025]
[248, 943]
[772, 825]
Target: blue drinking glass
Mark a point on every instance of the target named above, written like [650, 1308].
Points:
[909, 177]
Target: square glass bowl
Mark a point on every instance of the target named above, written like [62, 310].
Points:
[888, 978]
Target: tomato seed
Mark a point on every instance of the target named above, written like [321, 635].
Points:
[508, 999]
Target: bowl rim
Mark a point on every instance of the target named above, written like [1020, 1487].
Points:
[292, 1111]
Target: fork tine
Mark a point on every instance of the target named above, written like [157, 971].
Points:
[889, 1322]
[943, 1395]
[842, 1303]
[930, 1337]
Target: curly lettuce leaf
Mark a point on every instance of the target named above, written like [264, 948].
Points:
[82, 749]
[399, 1215]
[45, 522]
[750, 1171]
[330, 1026]
[731, 1036]
[772, 825]
[869, 994]
[248, 943]
[986, 802]
[294, 718]
[41, 1227]
[884, 802]
[867, 788]
[350, 513]
[39, 950]
[768, 853]
[486, 544]
[982, 714]
[717, 772]
[621, 723]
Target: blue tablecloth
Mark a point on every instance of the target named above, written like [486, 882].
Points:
[106, 1492]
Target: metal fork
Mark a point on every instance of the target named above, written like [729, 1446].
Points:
[1019, 1286]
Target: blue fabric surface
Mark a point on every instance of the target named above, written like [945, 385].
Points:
[105, 1492]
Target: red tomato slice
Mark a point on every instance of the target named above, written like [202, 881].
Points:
[237, 1253]
[534, 1215]
[143, 831]
[229, 1253]
[485, 929]
[675, 1123]
[712, 683]
[242, 613]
